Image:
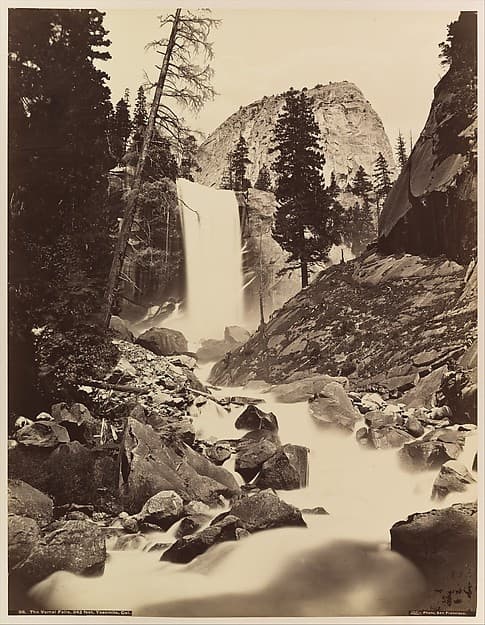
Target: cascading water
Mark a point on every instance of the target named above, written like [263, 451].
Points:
[213, 265]
[339, 565]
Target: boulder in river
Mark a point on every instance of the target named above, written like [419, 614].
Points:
[76, 546]
[25, 500]
[189, 547]
[287, 469]
[265, 510]
[251, 456]
[253, 418]
[443, 545]
[303, 389]
[163, 509]
[333, 407]
[453, 477]
[432, 450]
[388, 437]
[163, 341]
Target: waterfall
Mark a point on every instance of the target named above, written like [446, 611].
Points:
[213, 265]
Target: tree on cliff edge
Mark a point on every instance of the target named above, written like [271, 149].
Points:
[402, 156]
[382, 180]
[309, 220]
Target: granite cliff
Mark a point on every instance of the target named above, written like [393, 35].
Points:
[352, 134]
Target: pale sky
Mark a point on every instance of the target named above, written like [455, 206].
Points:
[392, 56]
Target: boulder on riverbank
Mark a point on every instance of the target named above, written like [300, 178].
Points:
[286, 469]
[453, 477]
[331, 406]
[253, 418]
[443, 545]
[149, 464]
[26, 501]
[163, 341]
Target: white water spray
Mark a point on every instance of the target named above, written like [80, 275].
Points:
[213, 265]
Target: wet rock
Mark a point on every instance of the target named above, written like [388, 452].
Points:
[186, 549]
[25, 500]
[250, 457]
[195, 508]
[388, 437]
[287, 469]
[163, 509]
[121, 329]
[362, 436]
[42, 434]
[414, 427]
[253, 418]
[265, 510]
[219, 453]
[333, 407]
[75, 546]
[317, 510]
[129, 523]
[77, 420]
[428, 454]
[449, 559]
[163, 341]
[453, 477]
[130, 542]
[236, 335]
[378, 419]
[304, 389]
[150, 465]
[191, 524]
[23, 535]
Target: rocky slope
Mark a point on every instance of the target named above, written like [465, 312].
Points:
[383, 321]
[432, 207]
[352, 134]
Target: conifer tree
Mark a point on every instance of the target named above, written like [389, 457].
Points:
[239, 161]
[402, 157]
[188, 161]
[361, 185]
[121, 128]
[361, 225]
[308, 220]
[140, 118]
[382, 180]
[264, 180]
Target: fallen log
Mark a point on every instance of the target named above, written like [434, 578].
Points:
[121, 388]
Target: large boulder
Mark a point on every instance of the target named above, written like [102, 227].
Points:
[253, 453]
[213, 349]
[77, 420]
[150, 465]
[76, 546]
[388, 437]
[453, 477]
[303, 389]
[42, 434]
[25, 500]
[119, 327]
[443, 545]
[422, 394]
[287, 469]
[428, 454]
[236, 335]
[163, 341]
[163, 509]
[253, 418]
[332, 406]
[23, 535]
[189, 547]
[265, 510]
[70, 473]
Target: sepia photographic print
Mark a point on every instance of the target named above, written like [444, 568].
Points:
[241, 293]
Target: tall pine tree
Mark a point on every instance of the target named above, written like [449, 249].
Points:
[382, 180]
[402, 156]
[361, 226]
[140, 118]
[121, 129]
[239, 161]
[309, 220]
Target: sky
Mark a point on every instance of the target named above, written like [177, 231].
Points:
[392, 56]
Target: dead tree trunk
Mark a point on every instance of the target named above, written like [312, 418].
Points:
[131, 204]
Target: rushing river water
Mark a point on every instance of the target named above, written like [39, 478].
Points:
[340, 565]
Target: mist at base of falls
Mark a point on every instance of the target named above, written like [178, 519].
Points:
[339, 566]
